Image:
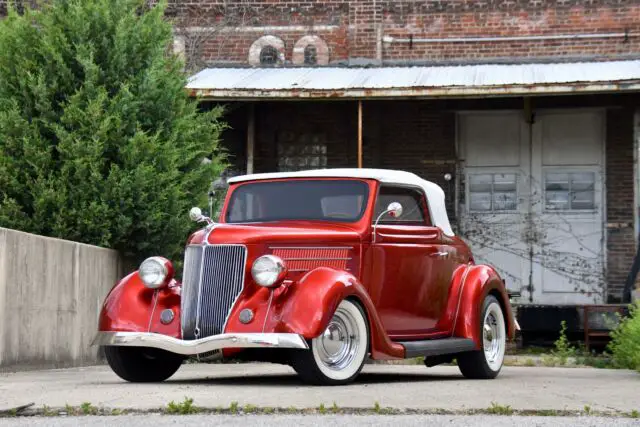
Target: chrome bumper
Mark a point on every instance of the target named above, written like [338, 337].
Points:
[203, 345]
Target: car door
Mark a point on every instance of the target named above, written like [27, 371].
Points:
[410, 265]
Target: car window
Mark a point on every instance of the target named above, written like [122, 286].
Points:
[414, 205]
[323, 200]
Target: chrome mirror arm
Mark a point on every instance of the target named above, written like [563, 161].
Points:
[196, 215]
[375, 224]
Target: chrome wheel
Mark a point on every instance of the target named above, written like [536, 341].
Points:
[339, 343]
[494, 336]
[338, 354]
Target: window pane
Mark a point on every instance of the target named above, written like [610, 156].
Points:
[583, 181]
[557, 200]
[323, 200]
[557, 181]
[480, 183]
[412, 201]
[504, 182]
[583, 200]
[480, 201]
[505, 201]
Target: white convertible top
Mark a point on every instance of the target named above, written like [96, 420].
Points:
[435, 195]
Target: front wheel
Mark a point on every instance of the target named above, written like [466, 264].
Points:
[337, 356]
[142, 365]
[487, 362]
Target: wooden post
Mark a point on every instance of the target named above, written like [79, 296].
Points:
[251, 136]
[359, 134]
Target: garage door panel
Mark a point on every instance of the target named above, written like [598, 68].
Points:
[491, 140]
[571, 139]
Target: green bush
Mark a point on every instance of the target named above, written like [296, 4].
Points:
[99, 141]
[625, 343]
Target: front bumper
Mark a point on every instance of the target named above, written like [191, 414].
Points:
[203, 345]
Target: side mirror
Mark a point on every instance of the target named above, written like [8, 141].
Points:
[394, 210]
[195, 214]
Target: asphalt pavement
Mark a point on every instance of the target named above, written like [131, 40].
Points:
[402, 387]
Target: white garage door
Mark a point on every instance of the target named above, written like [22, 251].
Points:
[533, 201]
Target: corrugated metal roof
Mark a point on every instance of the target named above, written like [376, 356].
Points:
[384, 82]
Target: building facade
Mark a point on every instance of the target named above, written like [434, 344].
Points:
[540, 172]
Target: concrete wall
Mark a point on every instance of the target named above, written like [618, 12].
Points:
[51, 292]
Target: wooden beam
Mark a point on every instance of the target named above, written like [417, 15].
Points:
[251, 137]
[360, 134]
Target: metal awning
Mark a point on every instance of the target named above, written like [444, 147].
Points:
[416, 82]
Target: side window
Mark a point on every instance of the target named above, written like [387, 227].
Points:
[413, 201]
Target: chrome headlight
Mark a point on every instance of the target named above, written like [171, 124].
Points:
[268, 271]
[155, 272]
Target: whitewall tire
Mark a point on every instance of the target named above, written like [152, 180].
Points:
[337, 356]
[486, 363]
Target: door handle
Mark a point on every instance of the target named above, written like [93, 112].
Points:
[439, 254]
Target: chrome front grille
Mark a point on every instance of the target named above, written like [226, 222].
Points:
[212, 281]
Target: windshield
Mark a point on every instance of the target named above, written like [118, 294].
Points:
[320, 200]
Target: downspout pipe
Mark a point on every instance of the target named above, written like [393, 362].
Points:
[625, 35]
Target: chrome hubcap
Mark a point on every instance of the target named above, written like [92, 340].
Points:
[493, 339]
[339, 342]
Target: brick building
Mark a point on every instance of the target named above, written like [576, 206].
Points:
[522, 110]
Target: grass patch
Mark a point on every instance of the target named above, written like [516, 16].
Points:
[185, 407]
[497, 409]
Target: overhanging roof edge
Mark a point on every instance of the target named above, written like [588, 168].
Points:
[423, 92]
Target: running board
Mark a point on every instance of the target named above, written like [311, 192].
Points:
[437, 347]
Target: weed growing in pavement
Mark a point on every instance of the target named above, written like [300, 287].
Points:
[529, 362]
[249, 409]
[268, 410]
[116, 412]
[70, 410]
[497, 409]
[48, 412]
[547, 412]
[233, 407]
[634, 414]
[183, 408]
[376, 407]
[563, 349]
[335, 408]
[322, 409]
[587, 409]
[86, 408]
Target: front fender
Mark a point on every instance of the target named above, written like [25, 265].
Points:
[307, 306]
[132, 307]
[480, 281]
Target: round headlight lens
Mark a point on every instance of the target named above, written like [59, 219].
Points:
[153, 272]
[268, 271]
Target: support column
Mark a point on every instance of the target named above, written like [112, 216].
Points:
[359, 134]
[251, 137]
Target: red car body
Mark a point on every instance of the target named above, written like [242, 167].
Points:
[414, 282]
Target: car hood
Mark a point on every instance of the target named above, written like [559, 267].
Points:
[306, 232]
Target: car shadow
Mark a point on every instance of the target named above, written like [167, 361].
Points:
[293, 380]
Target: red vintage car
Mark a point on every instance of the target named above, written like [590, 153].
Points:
[318, 270]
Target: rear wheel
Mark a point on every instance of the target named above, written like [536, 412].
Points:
[487, 362]
[337, 356]
[142, 365]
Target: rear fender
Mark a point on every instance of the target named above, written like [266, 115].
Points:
[132, 307]
[480, 281]
[306, 307]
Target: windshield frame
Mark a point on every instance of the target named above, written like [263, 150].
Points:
[224, 217]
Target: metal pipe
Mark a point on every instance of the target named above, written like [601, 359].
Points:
[359, 134]
[251, 136]
[625, 35]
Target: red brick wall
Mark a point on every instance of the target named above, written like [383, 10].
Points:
[620, 199]
[352, 28]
